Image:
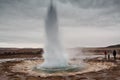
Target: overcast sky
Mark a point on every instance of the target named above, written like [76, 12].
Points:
[83, 23]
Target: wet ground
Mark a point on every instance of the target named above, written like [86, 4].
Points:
[111, 73]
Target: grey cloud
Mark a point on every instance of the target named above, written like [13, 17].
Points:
[23, 20]
[94, 3]
[22, 8]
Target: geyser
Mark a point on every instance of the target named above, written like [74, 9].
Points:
[54, 52]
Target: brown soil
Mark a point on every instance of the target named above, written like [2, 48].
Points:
[106, 74]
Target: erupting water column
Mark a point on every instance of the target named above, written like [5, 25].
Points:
[54, 54]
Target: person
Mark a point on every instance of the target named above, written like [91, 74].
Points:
[105, 54]
[108, 56]
[114, 54]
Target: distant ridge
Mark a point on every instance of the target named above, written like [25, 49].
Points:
[114, 46]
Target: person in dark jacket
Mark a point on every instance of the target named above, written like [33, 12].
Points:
[108, 56]
[105, 53]
[114, 54]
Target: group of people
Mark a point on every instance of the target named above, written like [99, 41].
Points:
[107, 55]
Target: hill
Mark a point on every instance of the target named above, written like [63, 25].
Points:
[114, 46]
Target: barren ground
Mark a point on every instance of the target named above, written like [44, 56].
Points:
[101, 70]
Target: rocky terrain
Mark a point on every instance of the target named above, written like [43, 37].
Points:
[13, 63]
[101, 70]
